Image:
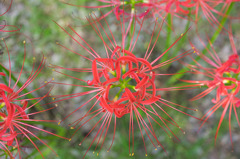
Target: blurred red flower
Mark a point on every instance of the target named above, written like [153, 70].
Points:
[224, 78]
[14, 108]
[191, 10]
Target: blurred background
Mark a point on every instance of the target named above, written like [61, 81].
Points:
[36, 20]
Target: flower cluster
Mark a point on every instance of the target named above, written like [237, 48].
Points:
[120, 83]
[160, 8]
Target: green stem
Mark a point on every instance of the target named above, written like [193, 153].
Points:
[118, 94]
[174, 78]
[183, 40]
[169, 31]
[130, 34]
[169, 36]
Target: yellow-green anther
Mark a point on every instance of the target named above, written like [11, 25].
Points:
[124, 69]
[2, 105]
[113, 72]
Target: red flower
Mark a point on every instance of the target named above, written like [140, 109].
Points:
[122, 84]
[14, 109]
[224, 78]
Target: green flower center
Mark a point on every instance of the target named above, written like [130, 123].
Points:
[133, 2]
[229, 82]
[120, 85]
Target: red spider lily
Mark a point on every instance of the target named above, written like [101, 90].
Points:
[128, 8]
[14, 109]
[122, 84]
[160, 8]
[184, 9]
[142, 8]
[224, 78]
[208, 10]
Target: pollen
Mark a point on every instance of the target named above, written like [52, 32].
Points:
[72, 127]
[3, 104]
[112, 72]
[70, 139]
[115, 99]
[45, 82]
[182, 34]
[56, 105]
[24, 42]
[34, 58]
[133, 10]
[53, 79]
[225, 81]
[59, 122]
[132, 154]
[156, 149]
[146, 155]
